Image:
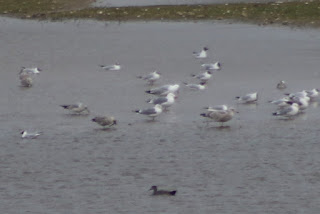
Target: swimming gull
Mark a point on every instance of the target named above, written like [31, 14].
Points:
[196, 87]
[281, 102]
[115, 67]
[164, 90]
[151, 78]
[151, 112]
[217, 108]
[282, 85]
[76, 108]
[163, 101]
[162, 192]
[313, 93]
[105, 121]
[202, 54]
[297, 94]
[26, 135]
[212, 66]
[203, 76]
[303, 102]
[34, 70]
[248, 98]
[220, 116]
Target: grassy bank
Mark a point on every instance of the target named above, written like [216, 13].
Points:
[290, 13]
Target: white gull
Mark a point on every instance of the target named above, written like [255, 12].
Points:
[26, 135]
[289, 111]
[202, 54]
[115, 67]
[248, 98]
[150, 112]
[76, 108]
[164, 90]
[151, 78]
[164, 101]
[212, 66]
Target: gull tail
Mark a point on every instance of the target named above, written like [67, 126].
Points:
[64, 106]
[148, 91]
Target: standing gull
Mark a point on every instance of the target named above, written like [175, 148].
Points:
[164, 90]
[151, 112]
[220, 116]
[105, 121]
[248, 98]
[76, 108]
[151, 78]
[163, 101]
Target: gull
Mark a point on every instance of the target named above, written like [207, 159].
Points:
[76, 108]
[203, 76]
[26, 135]
[248, 98]
[164, 90]
[34, 70]
[196, 87]
[151, 112]
[297, 94]
[162, 192]
[281, 85]
[151, 78]
[105, 121]
[163, 101]
[220, 116]
[26, 80]
[289, 111]
[202, 54]
[217, 108]
[212, 66]
[115, 67]
[281, 102]
[313, 93]
[303, 102]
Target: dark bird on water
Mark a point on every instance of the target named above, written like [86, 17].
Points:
[162, 192]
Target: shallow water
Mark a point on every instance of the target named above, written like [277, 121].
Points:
[121, 3]
[258, 165]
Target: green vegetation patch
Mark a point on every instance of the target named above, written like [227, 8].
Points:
[295, 13]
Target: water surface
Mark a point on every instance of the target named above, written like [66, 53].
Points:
[258, 165]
